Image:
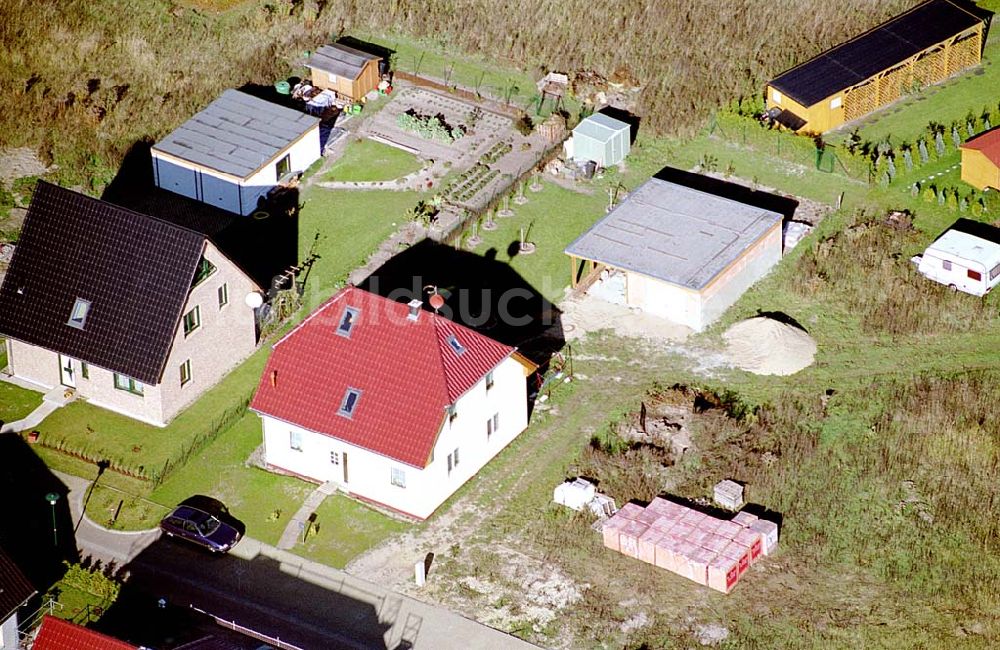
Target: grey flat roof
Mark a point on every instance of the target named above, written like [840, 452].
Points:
[341, 60]
[237, 134]
[674, 233]
[600, 127]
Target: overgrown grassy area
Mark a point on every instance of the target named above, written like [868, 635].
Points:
[343, 529]
[118, 72]
[17, 402]
[368, 160]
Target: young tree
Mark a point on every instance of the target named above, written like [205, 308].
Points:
[922, 148]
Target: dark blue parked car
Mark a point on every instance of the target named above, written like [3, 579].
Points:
[205, 529]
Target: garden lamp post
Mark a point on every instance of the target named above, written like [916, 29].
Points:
[53, 498]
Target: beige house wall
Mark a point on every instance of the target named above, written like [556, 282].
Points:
[226, 337]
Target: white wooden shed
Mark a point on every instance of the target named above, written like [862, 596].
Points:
[235, 151]
[602, 139]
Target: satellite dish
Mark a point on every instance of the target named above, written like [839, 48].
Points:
[254, 300]
[437, 301]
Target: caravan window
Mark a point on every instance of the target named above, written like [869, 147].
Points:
[946, 265]
[994, 272]
[975, 275]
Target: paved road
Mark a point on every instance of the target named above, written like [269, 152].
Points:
[282, 595]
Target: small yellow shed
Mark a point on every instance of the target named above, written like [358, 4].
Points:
[981, 160]
[350, 73]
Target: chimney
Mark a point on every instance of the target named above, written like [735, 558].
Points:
[414, 306]
[274, 378]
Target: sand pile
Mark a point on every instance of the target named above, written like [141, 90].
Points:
[765, 346]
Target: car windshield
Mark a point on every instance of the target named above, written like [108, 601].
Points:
[208, 526]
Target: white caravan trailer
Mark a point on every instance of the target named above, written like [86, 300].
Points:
[962, 261]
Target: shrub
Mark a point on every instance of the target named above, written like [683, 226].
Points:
[524, 125]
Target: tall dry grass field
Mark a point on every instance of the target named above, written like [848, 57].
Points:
[83, 80]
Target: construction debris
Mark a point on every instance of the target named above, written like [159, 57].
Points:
[729, 494]
[580, 493]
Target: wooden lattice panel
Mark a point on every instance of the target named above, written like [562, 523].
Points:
[860, 101]
[890, 86]
[964, 54]
[929, 69]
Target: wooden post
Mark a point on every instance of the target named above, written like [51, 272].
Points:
[572, 271]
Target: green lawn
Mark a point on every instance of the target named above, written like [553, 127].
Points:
[16, 402]
[346, 528]
[263, 501]
[351, 224]
[554, 218]
[118, 510]
[951, 100]
[368, 160]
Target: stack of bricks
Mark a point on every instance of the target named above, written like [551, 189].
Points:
[710, 551]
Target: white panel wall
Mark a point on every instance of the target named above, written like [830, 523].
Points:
[8, 633]
[664, 300]
[175, 177]
[369, 474]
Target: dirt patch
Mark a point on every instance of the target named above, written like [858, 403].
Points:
[585, 314]
[20, 162]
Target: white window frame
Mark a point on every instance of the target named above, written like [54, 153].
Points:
[78, 316]
[127, 384]
[332, 77]
[335, 458]
[397, 477]
[776, 95]
[196, 311]
[186, 373]
[295, 440]
[836, 102]
[223, 294]
[490, 380]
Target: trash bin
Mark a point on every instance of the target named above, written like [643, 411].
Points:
[282, 87]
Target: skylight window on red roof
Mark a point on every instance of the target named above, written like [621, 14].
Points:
[349, 403]
[456, 347]
[347, 321]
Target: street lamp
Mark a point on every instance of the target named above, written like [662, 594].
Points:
[52, 498]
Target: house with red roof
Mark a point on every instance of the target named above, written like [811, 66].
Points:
[57, 634]
[981, 160]
[393, 403]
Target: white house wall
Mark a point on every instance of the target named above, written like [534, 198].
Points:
[8, 633]
[228, 192]
[369, 474]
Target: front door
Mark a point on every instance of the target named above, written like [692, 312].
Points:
[67, 371]
[344, 456]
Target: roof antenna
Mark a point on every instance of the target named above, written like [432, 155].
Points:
[436, 300]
